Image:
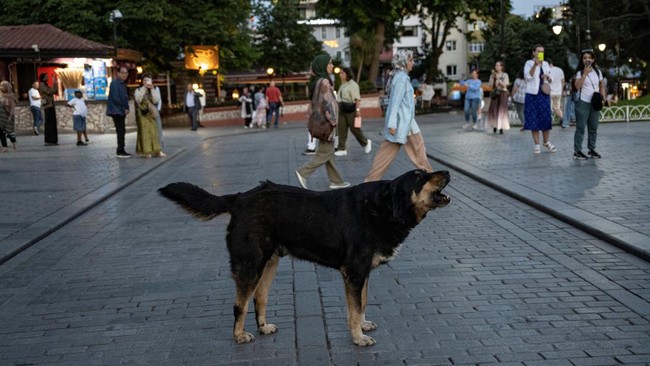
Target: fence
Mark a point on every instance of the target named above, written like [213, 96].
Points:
[628, 113]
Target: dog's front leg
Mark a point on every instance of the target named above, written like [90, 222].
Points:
[353, 295]
[366, 325]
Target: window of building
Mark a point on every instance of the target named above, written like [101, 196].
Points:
[410, 31]
[450, 46]
[323, 32]
[347, 56]
[476, 25]
[451, 70]
[338, 32]
[338, 55]
[476, 47]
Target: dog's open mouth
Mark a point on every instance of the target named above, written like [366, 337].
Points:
[440, 199]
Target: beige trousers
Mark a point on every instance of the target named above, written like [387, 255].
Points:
[324, 156]
[414, 148]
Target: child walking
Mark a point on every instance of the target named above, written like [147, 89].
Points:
[79, 117]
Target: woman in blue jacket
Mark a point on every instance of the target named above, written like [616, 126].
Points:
[400, 127]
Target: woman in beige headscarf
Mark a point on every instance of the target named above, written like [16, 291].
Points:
[7, 115]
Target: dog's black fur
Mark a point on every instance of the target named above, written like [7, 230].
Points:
[352, 230]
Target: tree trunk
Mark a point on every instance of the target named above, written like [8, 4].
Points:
[379, 46]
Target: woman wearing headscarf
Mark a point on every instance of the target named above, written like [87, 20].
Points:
[400, 127]
[146, 98]
[47, 102]
[7, 115]
[321, 93]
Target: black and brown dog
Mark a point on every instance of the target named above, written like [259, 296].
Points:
[353, 230]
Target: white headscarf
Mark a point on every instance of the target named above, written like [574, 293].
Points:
[400, 59]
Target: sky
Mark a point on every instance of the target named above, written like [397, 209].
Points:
[525, 7]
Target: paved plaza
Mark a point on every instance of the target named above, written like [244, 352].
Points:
[538, 260]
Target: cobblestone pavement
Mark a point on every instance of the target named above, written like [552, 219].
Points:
[114, 274]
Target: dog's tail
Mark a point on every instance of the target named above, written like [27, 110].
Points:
[197, 201]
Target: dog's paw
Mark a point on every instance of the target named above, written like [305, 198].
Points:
[244, 337]
[268, 329]
[368, 326]
[364, 341]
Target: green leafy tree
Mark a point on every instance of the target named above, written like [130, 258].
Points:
[439, 17]
[286, 45]
[520, 36]
[376, 21]
[157, 28]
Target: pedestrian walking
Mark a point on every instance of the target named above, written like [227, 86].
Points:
[473, 97]
[246, 102]
[518, 95]
[8, 102]
[35, 106]
[589, 81]
[498, 111]
[47, 102]
[274, 101]
[349, 109]
[259, 116]
[192, 106]
[400, 127]
[557, 89]
[537, 107]
[570, 98]
[321, 93]
[79, 113]
[117, 107]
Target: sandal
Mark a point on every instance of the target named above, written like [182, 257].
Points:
[537, 150]
[549, 146]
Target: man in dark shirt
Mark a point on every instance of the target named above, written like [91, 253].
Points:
[118, 108]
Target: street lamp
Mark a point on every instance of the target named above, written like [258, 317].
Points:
[557, 29]
[114, 17]
[270, 72]
[602, 47]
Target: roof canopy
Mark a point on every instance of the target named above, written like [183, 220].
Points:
[47, 41]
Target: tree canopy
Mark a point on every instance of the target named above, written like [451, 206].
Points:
[158, 28]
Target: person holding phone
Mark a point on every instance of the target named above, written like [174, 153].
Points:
[537, 103]
[146, 100]
[588, 80]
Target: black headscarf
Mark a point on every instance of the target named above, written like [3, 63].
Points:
[319, 71]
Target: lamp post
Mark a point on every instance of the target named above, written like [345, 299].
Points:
[114, 17]
[588, 30]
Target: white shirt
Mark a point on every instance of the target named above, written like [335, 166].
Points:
[34, 102]
[189, 99]
[591, 85]
[532, 82]
[557, 77]
[79, 105]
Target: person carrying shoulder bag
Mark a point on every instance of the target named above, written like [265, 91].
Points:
[589, 83]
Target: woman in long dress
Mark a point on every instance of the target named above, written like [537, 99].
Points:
[51, 133]
[537, 105]
[498, 112]
[146, 99]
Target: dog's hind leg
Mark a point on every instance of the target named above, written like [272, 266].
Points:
[354, 297]
[240, 309]
[366, 325]
[262, 294]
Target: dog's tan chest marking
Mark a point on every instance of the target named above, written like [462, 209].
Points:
[379, 259]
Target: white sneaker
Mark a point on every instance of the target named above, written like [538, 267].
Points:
[341, 153]
[302, 180]
[368, 147]
[466, 126]
[474, 126]
[339, 185]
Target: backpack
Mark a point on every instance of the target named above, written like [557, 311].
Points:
[317, 123]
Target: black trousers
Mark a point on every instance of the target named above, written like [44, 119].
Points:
[51, 132]
[120, 131]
